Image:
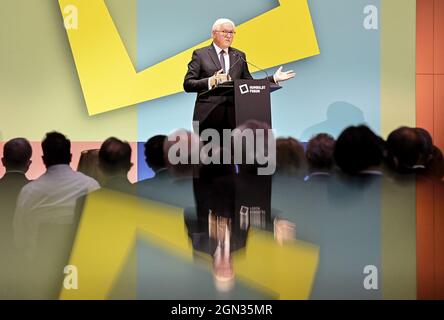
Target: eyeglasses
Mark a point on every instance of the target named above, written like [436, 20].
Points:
[226, 33]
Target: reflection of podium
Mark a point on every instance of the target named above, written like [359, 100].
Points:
[251, 98]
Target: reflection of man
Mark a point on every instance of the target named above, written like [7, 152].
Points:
[205, 70]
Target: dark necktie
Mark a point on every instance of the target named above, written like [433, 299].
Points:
[222, 60]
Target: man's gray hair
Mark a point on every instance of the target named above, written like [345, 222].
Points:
[222, 21]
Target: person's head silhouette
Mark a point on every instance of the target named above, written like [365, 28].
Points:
[17, 155]
[56, 149]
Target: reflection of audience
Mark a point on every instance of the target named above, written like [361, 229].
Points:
[115, 163]
[154, 153]
[359, 151]
[51, 198]
[16, 160]
[89, 165]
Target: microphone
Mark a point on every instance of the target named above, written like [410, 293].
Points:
[252, 64]
[237, 61]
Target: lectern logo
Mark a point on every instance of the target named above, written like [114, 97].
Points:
[244, 89]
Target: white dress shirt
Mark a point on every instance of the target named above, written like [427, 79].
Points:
[226, 58]
[49, 199]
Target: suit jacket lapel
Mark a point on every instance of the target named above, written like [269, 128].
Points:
[213, 54]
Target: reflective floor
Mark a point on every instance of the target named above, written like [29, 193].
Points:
[218, 234]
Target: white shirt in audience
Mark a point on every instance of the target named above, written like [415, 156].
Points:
[50, 199]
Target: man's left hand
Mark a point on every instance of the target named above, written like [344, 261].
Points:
[282, 76]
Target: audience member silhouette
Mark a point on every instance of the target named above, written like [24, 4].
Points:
[115, 163]
[50, 199]
[290, 157]
[358, 151]
[44, 221]
[174, 185]
[89, 165]
[426, 146]
[435, 166]
[431, 156]
[405, 147]
[154, 156]
[319, 154]
[16, 160]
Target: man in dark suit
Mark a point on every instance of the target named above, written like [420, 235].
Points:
[210, 66]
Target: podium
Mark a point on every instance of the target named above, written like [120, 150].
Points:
[251, 98]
